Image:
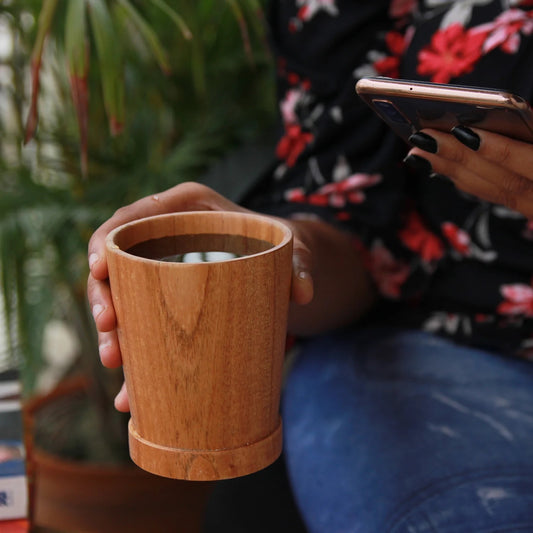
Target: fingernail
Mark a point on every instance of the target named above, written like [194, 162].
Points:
[97, 310]
[467, 137]
[418, 163]
[303, 275]
[93, 259]
[436, 175]
[424, 142]
[300, 269]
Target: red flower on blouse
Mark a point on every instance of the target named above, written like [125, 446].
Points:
[458, 238]
[505, 30]
[308, 9]
[451, 53]
[293, 143]
[390, 65]
[518, 300]
[419, 239]
[388, 273]
[401, 8]
[337, 194]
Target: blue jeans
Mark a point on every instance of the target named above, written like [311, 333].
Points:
[393, 431]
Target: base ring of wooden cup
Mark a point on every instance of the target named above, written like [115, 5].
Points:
[204, 465]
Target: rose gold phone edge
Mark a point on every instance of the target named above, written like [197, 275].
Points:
[453, 93]
[374, 88]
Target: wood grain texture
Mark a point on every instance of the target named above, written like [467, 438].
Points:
[202, 346]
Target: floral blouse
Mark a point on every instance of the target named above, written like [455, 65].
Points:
[442, 260]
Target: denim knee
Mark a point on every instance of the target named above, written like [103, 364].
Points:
[396, 432]
[487, 501]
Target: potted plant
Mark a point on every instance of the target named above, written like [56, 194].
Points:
[114, 99]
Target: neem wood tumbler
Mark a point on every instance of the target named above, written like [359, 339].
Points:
[202, 339]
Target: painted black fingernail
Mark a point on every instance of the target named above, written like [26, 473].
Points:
[424, 142]
[418, 163]
[437, 176]
[467, 137]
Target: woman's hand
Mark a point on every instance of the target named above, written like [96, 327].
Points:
[183, 197]
[487, 165]
[330, 287]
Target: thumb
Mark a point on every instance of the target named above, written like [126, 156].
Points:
[302, 280]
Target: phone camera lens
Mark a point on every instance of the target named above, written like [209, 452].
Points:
[389, 110]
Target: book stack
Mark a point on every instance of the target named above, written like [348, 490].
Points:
[13, 485]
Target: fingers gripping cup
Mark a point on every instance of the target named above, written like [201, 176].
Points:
[202, 300]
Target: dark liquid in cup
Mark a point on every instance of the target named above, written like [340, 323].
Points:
[202, 248]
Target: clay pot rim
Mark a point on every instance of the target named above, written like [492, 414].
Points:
[68, 386]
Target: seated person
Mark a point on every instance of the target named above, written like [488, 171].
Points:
[410, 404]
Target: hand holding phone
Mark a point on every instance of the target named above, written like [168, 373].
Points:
[493, 159]
[409, 106]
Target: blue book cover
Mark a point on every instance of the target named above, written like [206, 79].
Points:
[13, 486]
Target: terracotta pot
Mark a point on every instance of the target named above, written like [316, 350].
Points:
[75, 497]
[202, 343]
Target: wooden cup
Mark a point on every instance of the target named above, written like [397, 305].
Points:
[202, 343]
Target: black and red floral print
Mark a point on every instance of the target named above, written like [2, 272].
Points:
[442, 260]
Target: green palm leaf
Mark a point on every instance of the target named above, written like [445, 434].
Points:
[46, 17]
[110, 63]
[176, 17]
[147, 32]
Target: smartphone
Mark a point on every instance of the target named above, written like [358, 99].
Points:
[408, 106]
